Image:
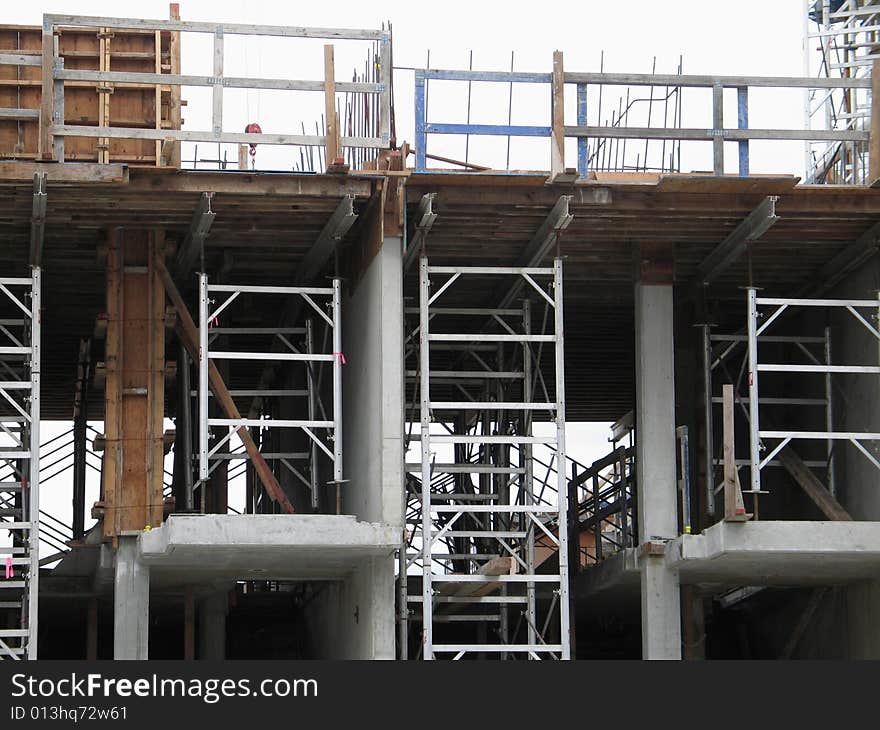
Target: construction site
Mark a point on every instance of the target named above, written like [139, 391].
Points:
[319, 390]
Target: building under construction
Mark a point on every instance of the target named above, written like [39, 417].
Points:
[326, 409]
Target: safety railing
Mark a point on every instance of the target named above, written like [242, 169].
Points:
[598, 133]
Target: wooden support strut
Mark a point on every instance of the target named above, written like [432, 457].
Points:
[188, 333]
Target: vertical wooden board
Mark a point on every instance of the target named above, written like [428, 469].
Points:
[132, 488]
[112, 395]
[156, 431]
[173, 94]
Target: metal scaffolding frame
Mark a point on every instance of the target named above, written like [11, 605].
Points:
[847, 39]
[476, 522]
[756, 330]
[728, 354]
[20, 424]
[325, 432]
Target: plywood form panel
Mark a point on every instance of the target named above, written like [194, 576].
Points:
[125, 106]
[134, 390]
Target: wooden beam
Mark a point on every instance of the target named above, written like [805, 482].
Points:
[189, 335]
[254, 183]
[77, 172]
[812, 486]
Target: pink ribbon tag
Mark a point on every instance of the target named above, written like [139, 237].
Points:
[10, 573]
[341, 357]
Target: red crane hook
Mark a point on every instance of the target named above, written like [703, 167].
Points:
[253, 128]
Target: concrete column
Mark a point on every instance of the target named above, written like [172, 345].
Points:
[131, 602]
[212, 626]
[655, 468]
[373, 387]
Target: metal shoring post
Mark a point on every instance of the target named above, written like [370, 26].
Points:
[310, 386]
[502, 489]
[754, 426]
[829, 416]
[707, 418]
[203, 387]
[186, 427]
[528, 485]
[561, 487]
[337, 392]
[425, 406]
[34, 469]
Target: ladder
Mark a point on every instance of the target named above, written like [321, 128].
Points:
[19, 464]
[482, 510]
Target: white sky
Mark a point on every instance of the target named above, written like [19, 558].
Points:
[749, 37]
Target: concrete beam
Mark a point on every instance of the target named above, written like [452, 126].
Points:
[131, 602]
[726, 253]
[656, 470]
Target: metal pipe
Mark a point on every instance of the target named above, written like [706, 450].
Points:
[185, 428]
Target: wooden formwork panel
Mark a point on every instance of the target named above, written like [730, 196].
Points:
[145, 106]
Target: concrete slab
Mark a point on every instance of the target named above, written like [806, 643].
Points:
[612, 586]
[780, 553]
[209, 548]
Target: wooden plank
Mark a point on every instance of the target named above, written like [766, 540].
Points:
[330, 119]
[496, 566]
[174, 113]
[46, 150]
[812, 485]
[557, 140]
[188, 333]
[81, 172]
[734, 510]
[95, 21]
[255, 183]
[156, 383]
